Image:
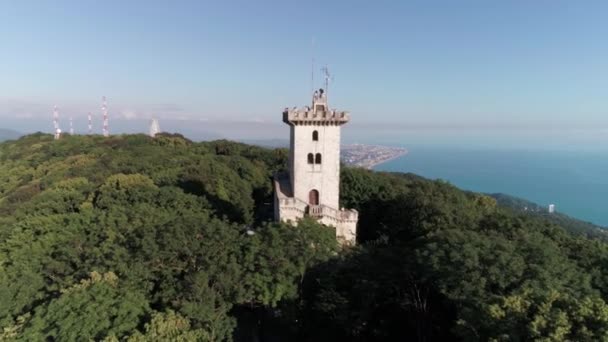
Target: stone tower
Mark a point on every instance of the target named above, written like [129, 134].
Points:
[312, 184]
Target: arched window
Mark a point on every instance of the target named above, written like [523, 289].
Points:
[311, 158]
[313, 197]
[315, 136]
[318, 158]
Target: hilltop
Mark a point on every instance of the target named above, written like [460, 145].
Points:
[137, 238]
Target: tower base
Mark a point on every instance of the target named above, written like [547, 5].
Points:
[287, 208]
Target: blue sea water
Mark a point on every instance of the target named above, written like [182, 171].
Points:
[576, 182]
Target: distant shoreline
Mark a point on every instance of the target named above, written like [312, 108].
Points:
[512, 172]
[369, 156]
[372, 166]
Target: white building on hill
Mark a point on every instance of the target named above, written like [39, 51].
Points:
[154, 127]
[312, 184]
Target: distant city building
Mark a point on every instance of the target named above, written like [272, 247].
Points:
[311, 187]
[154, 127]
[551, 208]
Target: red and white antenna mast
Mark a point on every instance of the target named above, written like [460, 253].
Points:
[104, 111]
[56, 123]
[90, 124]
[71, 126]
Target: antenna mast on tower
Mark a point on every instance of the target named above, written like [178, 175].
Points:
[56, 122]
[104, 111]
[328, 78]
[90, 124]
[312, 65]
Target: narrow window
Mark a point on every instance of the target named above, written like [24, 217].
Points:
[318, 158]
[315, 136]
[311, 159]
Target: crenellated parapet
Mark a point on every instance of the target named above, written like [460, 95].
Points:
[307, 116]
[317, 114]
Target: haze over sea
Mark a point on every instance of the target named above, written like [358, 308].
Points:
[572, 174]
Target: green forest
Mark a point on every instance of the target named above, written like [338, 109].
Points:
[132, 238]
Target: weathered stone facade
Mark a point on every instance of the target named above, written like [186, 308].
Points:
[312, 185]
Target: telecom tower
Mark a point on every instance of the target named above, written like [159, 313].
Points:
[90, 124]
[71, 126]
[154, 127]
[56, 123]
[104, 111]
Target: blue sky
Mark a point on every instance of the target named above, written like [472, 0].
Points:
[447, 64]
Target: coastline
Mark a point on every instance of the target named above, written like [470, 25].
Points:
[522, 174]
[378, 163]
[370, 156]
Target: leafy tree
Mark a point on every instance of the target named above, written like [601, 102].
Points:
[93, 309]
[168, 326]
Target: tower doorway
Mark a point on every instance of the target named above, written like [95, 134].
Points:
[313, 197]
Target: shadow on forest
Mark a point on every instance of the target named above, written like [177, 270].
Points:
[228, 209]
[369, 294]
[374, 293]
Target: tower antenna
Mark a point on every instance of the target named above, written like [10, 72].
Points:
[328, 78]
[90, 124]
[104, 111]
[71, 126]
[312, 65]
[56, 123]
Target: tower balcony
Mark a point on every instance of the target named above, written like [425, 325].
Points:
[338, 215]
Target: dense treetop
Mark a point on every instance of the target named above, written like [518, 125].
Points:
[130, 238]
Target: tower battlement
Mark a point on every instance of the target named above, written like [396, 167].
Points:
[306, 116]
[317, 114]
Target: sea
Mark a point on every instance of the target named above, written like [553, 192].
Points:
[575, 180]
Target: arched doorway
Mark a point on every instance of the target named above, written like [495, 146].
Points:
[313, 197]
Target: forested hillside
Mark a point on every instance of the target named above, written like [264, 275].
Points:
[569, 223]
[130, 238]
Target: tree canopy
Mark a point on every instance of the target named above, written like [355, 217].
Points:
[132, 238]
